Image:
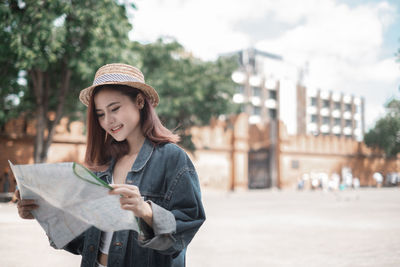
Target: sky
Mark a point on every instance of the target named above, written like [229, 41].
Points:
[349, 46]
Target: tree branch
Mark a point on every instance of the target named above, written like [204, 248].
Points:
[37, 78]
[66, 78]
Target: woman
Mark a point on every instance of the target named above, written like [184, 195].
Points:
[128, 147]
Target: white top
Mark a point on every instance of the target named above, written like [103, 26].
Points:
[105, 242]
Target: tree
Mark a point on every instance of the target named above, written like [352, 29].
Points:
[56, 46]
[191, 90]
[386, 133]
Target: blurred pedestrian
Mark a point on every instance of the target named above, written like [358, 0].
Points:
[314, 183]
[130, 149]
[378, 177]
[300, 183]
[348, 180]
[356, 183]
[306, 178]
[334, 182]
[391, 179]
[324, 181]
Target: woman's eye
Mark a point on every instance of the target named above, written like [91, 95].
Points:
[100, 115]
[115, 109]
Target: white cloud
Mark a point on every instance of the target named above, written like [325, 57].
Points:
[205, 27]
[334, 31]
[383, 70]
[342, 44]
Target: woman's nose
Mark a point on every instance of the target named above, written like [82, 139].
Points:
[109, 119]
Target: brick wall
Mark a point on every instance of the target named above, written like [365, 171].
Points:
[221, 158]
[305, 154]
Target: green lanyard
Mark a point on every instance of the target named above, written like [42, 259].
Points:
[86, 175]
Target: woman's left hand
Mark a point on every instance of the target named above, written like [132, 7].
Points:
[132, 200]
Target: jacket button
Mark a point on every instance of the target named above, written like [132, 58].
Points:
[91, 248]
[118, 244]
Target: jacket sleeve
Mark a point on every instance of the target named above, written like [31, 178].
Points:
[175, 226]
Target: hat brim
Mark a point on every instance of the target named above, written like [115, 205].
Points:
[86, 94]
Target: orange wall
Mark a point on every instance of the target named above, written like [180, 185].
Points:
[329, 154]
[221, 157]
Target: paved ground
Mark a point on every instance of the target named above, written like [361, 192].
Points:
[257, 228]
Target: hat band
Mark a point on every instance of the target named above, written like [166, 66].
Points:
[114, 77]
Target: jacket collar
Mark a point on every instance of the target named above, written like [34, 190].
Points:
[142, 158]
[144, 155]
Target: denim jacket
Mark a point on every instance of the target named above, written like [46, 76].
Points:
[166, 179]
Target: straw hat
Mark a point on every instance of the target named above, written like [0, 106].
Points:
[123, 74]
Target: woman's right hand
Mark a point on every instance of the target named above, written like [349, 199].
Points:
[25, 206]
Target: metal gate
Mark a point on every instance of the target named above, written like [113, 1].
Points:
[259, 174]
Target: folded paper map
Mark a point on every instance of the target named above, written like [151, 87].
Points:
[71, 199]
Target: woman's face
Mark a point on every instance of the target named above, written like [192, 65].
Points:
[117, 114]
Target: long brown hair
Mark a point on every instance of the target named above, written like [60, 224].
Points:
[101, 147]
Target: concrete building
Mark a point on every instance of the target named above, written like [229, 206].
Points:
[259, 82]
[282, 111]
[330, 113]
[270, 88]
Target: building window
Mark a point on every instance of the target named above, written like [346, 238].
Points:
[295, 164]
[313, 101]
[256, 110]
[272, 113]
[326, 104]
[256, 91]
[252, 62]
[314, 118]
[240, 89]
[337, 122]
[272, 94]
[348, 107]
[326, 120]
[337, 106]
[349, 123]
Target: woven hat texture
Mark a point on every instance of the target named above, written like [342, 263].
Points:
[118, 73]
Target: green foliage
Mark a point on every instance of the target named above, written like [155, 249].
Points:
[386, 133]
[53, 36]
[58, 45]
[191, 91]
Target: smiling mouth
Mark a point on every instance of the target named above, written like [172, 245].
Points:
[116, 129]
